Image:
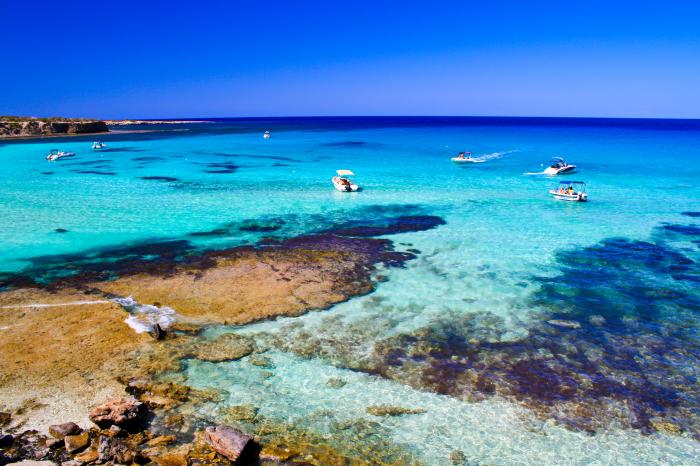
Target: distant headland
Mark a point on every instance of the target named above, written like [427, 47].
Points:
[32, 127]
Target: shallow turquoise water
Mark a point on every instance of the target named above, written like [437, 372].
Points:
[507, 251]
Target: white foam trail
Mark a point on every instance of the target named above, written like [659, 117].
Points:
[493, 156]
[73, 303]
[143, 317]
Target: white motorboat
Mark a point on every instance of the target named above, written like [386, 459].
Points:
[465, 157]
[55, 154]
[559, 167]
[570, 191]
[267, 135]
[342, 183]
[97, 145]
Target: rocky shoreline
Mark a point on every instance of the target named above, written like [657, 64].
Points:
[29, 127]
[152, 122]
[67, 348]
[26, 128]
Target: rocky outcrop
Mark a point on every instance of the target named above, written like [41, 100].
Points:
[38, 127]
[227, 441]
[123, 412]
[59, 431]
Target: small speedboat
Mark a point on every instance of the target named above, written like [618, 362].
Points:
[342, 183]
[97, 145]
[267, 135]
[559, 167]
[570, 191]
[56, 154]
[464, 157]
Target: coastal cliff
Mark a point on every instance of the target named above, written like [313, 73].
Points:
[14, 127]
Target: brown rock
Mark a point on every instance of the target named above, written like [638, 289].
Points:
[116, 450]
[159, 402]
[227, 441]
[59, 431]
[173, 459]
[5, 418]
[76, 442]
[89, 456]
[54, 443]
[122, 412]
[277, 453]
[161, 440]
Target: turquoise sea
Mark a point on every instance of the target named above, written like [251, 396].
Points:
[530, 330]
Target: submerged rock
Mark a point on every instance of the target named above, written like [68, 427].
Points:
[117, 450]
[564, 323]
[245, 413]
[227, 347]
[386, 410]
[227, 441]
[122, 412]
[335, 382]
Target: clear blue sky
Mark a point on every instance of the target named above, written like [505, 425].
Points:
[209, 58]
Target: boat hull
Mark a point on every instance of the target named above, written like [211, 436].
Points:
[346, 188]
[578, 197]
[560, 171]
[458, 160]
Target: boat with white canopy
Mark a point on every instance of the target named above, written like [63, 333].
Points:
[97, 145]
[343, 183]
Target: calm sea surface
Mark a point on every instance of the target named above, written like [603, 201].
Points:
[462, 331]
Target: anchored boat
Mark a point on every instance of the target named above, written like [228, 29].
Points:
[266, 135]
[97, 145]
[55, 154]
[559, 167]
[570, 191]
[342, 183]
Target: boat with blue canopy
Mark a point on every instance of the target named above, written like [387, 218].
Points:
[570, 191]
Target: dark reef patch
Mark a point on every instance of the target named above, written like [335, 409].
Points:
[122, 149]
[691, 214]
[47, 173]
[147, 159]
[346, 144]
[158, 257]
[388, 226]
[685, 230]
[221, 167]
[162, 257]
[167, 179]
[89, 162]
[93, 172]
[61, 230]
[270, 157]
[624, 348]
[261, 226]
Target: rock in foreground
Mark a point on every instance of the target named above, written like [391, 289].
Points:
[122, 412]
[227, 441]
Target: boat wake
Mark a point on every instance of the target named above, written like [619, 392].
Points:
[144, 317]
[493, 156]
